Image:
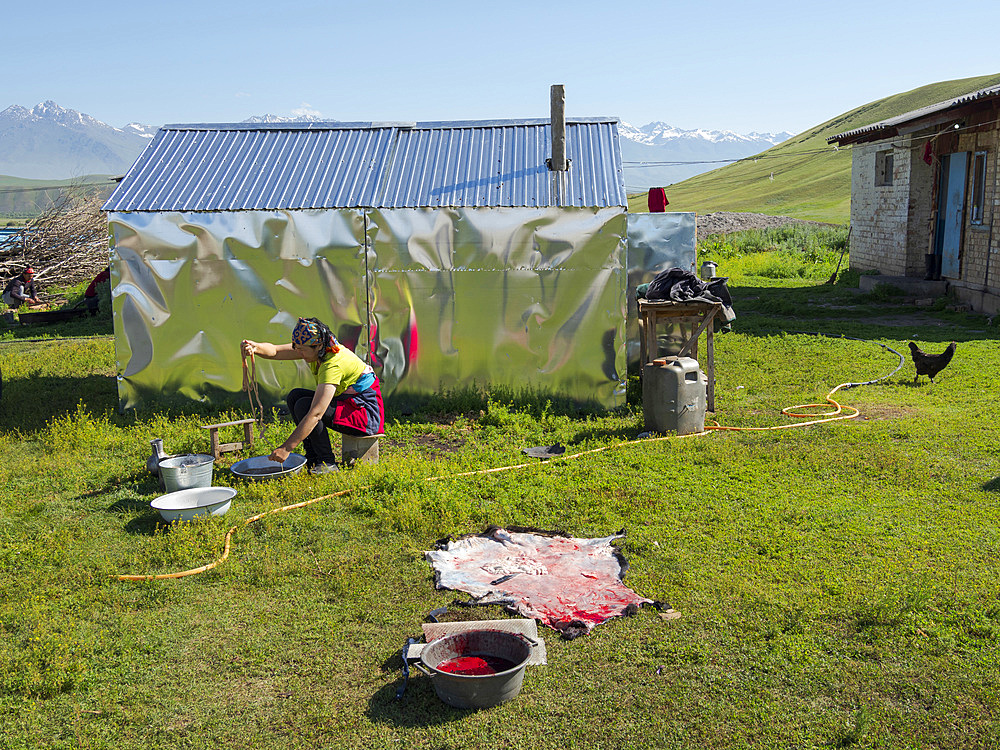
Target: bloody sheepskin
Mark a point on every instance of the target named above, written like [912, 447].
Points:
[569, 584]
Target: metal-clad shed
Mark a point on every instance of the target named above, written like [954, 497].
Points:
[446, 253]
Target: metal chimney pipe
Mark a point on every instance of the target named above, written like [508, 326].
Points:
[557, 99]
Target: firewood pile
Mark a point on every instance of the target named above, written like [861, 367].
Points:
[66, 245]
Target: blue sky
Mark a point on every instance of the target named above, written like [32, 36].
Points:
[738, 66]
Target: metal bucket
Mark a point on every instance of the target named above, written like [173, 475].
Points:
[187, 471]
[483, 690]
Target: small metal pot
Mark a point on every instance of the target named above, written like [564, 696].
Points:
[477, 691]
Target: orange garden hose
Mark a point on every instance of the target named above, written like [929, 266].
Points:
[229, 534]
[833, 416]
[226, 547]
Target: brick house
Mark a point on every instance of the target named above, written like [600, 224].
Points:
[923, 194]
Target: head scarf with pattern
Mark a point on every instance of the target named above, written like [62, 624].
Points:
[313, 332]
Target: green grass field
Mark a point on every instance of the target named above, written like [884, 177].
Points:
[802, 177]
[837, 583]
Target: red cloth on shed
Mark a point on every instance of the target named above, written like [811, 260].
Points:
[658, 200]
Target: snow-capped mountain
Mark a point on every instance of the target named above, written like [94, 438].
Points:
[49, 142]
[277, 119]
[660, 133]
[658, 154]
[146, 131]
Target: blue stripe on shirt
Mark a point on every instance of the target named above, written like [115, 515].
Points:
[364, 382]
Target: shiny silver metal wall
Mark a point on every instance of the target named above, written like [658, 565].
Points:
[440, 297]
[505, 295]
[656, 242]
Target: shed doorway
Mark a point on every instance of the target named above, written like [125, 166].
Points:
[951, 210]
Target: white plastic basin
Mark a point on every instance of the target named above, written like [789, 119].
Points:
[185, 505]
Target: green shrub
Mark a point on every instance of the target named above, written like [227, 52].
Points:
[799, 251]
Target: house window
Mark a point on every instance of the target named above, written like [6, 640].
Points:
[978, 186]
[883, 167]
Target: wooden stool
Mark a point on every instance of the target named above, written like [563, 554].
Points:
[362, 449]
[219, 448]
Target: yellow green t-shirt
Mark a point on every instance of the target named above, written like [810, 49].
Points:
[340, 370]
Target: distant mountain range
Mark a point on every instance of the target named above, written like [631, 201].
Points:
[803, 177]
[49, 142]
[657, 154]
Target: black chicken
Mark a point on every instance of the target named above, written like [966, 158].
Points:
[930, 364]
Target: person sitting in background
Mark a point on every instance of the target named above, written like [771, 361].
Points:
[21, 290]
[347, 396]
[95, 291]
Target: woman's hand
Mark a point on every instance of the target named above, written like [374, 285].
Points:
[279, 454]
[267, 350]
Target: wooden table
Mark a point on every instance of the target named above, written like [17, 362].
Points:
[693, 318]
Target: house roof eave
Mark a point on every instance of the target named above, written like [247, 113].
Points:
[918, 119]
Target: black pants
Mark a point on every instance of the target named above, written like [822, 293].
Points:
[317, 443]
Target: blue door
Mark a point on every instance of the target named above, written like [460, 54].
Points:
[951, 209]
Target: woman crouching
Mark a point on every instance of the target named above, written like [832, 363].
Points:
[347, 396]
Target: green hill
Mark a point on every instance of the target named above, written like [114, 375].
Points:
[23, 199]
[802, 177]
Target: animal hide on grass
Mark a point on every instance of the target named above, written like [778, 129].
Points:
[569, 584]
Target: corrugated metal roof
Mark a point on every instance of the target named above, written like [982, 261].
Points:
[262, 166]
[893, 122]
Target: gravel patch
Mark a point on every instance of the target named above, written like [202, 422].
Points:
[724, 222]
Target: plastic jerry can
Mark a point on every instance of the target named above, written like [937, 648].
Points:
[673, 396]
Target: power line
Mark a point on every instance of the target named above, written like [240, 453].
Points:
[909, 142]
[916, 139]
[730, 179]
[5, 191]
[637, 164]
